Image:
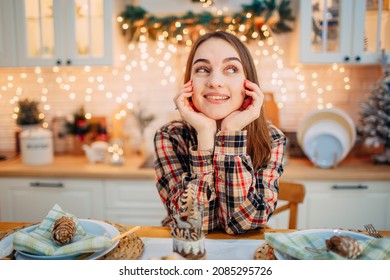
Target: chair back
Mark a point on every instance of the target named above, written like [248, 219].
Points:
[293, 193]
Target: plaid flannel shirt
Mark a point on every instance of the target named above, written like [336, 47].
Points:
[234, 196]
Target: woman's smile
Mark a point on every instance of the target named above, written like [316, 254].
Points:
[216, 98]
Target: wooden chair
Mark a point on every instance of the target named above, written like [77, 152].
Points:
[293, 193]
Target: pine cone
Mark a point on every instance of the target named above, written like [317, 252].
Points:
[345, 246]
[64, 230]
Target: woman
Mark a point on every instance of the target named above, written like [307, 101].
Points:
[222, 153]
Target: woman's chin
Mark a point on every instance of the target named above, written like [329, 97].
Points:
[217, 116]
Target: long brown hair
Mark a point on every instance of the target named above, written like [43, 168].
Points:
[258, 138]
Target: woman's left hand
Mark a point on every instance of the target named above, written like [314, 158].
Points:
[239, 119]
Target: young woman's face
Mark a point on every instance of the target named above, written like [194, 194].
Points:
[218, 79]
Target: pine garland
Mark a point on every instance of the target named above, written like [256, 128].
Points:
[136, 21]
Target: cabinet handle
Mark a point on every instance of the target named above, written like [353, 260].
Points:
[350, 187]
[357, 58]
[346, 58]
[58, 61]
[68, 62]
[47, 185]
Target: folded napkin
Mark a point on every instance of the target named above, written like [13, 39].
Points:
[294, 245]
[40, 241]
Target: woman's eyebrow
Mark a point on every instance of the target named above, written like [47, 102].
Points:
[224, 61]
[231, 58]
[201, 60]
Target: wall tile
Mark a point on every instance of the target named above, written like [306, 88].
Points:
[157, 99]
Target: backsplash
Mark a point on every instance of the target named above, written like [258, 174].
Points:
[104, 90]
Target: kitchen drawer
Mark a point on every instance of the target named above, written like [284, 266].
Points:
[349, 204]
[30, 199]
[135, 216]
[133, 202]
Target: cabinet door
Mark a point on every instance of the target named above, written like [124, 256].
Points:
[345, 205]
[7, 34]
[89, 32]
[325, 33]
[343, 31]
[36, 23]
[64, 32]
[31, 199]
[371, 29]
[133, 202]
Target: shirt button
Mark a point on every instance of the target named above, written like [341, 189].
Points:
[219, 143]
[219, 177]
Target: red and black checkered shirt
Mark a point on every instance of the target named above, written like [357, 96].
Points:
[234, 196]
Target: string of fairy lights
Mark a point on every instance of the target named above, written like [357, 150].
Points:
[169, 56]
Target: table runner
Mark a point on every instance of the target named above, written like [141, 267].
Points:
[216, 249]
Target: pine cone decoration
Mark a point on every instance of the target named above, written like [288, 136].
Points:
[64, 230]
[345, 246]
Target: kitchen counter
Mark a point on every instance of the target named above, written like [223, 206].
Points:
[78, 167]
[351, 169]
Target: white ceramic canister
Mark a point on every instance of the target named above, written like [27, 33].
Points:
[36, 146]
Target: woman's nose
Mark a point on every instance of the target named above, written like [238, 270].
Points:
[215, 80]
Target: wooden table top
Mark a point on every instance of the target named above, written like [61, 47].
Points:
[164, 232]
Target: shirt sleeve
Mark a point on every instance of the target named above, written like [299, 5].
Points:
[184, 174]
[246, 197]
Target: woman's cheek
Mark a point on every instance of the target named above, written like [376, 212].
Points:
[196, 96]
[196, 89]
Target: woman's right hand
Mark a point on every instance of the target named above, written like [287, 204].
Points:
[205, 127]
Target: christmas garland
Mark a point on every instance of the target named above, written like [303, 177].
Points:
[247, 24]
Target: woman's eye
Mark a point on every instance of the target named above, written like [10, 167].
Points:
[232, 69]
[201, 69]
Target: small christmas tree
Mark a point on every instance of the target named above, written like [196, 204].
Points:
[375, 115]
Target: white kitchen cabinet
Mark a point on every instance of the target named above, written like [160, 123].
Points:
[346, 31]
[133, 202]
[30, 199]
[7, 34]
[64, 32]
[349, 204]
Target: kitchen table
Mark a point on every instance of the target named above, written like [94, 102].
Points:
[164, 232]
[153, 236]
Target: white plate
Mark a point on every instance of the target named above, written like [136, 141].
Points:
[90, 226]
[324, 234]
[324, 150]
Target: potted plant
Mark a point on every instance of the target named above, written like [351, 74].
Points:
[28, 113]
[28, 116]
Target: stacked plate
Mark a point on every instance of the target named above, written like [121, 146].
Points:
[94, 227]
[326, 136]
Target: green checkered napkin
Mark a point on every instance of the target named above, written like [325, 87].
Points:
[40, 242]
[294, 246]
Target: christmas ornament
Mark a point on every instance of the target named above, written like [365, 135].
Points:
[64, 230]
[345, 246]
